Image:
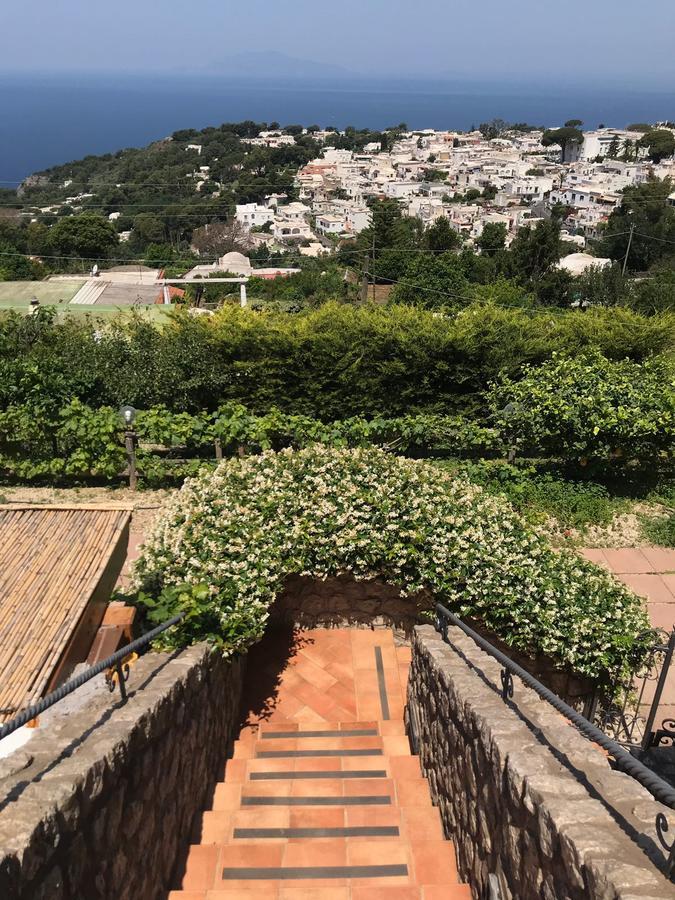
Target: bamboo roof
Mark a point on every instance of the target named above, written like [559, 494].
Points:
[52, 559]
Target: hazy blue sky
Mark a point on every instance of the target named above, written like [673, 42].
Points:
[526, 40]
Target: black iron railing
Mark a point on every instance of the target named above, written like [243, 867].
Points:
[117, 663]
[623, 760]
[625, 711]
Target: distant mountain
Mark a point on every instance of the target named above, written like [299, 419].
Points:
[263, 64]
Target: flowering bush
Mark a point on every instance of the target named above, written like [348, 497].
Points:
[228, 539]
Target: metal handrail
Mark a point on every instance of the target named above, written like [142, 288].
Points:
[656, 786]
[114, 661]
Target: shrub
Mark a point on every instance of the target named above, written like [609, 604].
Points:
[225, 543]
[574, 504]
[589, 408]
[660, 530]
[331, 363]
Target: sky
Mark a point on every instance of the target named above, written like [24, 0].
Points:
[604, 41]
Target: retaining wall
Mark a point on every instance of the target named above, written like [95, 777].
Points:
[526, 799]
[96, 805]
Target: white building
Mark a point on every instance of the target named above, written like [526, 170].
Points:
[597, 143]
[357, 218]
[252, 215]
[578, 263]
[328, 224]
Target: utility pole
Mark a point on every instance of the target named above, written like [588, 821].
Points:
[630, 241]
[372, 269]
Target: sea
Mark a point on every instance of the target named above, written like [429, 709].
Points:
[50, 120]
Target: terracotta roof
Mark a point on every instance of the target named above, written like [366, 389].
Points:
[53, 562]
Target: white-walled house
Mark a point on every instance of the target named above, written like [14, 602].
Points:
[293, 212]
[283, 230]
[328, 224]
[252, 215]
[357, 218]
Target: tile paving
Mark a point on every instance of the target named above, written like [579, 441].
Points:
[650, 572]
[322, 798]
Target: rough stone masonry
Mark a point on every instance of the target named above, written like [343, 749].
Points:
[96, 804]
[524, 796]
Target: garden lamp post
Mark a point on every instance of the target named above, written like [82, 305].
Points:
[128, 416]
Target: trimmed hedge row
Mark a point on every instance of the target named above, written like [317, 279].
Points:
[332, 363]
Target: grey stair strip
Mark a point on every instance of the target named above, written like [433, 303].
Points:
[355, 732]
[278, 873]
[333, 773]
[353, 831]
[279, 754]
[384, 700]
[369, 800]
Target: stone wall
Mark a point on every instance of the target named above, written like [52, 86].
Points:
[526, 799]
[96, 804]
[342, 601]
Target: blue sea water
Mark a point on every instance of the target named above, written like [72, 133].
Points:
[46, 121]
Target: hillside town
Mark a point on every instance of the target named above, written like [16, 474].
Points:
[468, 178]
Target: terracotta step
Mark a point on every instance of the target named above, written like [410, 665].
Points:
[335, 863]
[299, 747]
[319, 767]
[355, 892]
[414, 823]
[323, 792]
[296, 729]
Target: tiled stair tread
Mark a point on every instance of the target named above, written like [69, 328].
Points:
[354, 892]
[363, 800]
[319, 773]
[335, 741]
[313, 873]
[425, 862]
[351, 751]
[322, 799]
[418, 823]
[347, 732]
[344, 831]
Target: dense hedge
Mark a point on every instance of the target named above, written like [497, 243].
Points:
[332, 363]
[224, 545]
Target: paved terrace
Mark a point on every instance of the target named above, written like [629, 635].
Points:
[650, 572]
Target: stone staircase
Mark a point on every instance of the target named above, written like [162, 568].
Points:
[317, 808]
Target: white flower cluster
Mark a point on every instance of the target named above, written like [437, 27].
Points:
[321, 512]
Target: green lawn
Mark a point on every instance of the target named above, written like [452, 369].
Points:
[18, 294]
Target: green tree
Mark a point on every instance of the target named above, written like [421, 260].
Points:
[492, 238]
[554, 288]
[441, 236]
[493, 129]
[659, 143]
[613, 149]
[565, 138]
[15, 266]
[644, 210]
[573, 123]
[654, 294]
[147, 229]
[535, 250]
[628, 150]
[390, 237]
[432, 281]
[87, 235]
